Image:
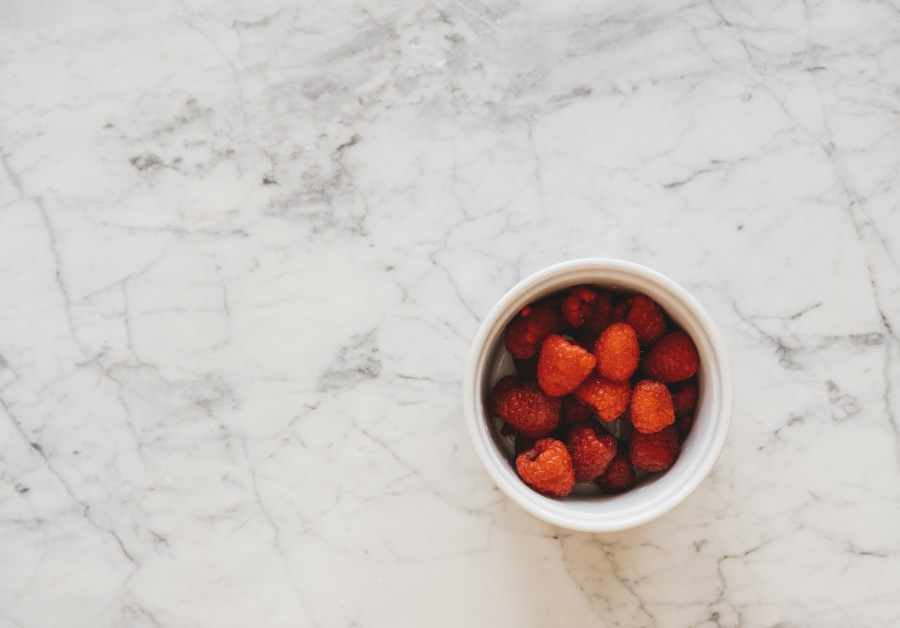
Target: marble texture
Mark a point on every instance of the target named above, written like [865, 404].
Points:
[244, 247]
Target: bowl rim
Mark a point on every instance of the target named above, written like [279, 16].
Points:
[555, 511]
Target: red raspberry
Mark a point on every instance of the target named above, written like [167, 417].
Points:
[587, 309]
[527, 331]
[672, 359]
[578, 305]
[529, 410]
[654, 452]
[591, 451]
[547, 467]
[685, 398]
[685, 401]
[617, 352]
[651, 407]
[574, 410]
[647, 319]
[562, 366]
[527, 369]
[602, 315]
[684, 424]
[608, 398]
[500, 390]
[618, 475]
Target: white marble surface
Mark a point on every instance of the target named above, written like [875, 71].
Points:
[244, 247]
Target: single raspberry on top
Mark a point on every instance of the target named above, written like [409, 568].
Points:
[647, 319]
[672, 359]
[654, 452]
[591, 451]
[528, 330]
[618, 475]
[562, 366]
[529, 410]
[547, 467]
[651, 407]
[617, 352]
[608, 398]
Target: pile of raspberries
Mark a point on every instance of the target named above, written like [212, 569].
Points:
[605, 390]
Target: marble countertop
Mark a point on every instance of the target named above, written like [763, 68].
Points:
[244, 248]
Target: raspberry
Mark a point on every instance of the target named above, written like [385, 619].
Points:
[547, 467]
[608, 398]
[651, 407]
[654, 452]
[562, 366]
[574, 410]
[527, 331]
[647, 319]
[499, 391]
[591, 451]
[685, 398]
[578, 305]
[684, 424]
[617, 352]
[672, 359]
[618, 475]
[587, 309]
[527, 369]
[602, 315]
[529, 410]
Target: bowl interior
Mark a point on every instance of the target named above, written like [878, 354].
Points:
[585, 509]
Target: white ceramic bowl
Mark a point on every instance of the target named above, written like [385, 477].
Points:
[489, 360]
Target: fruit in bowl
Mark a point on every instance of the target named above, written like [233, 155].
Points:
[609, 367]
[583, 392]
